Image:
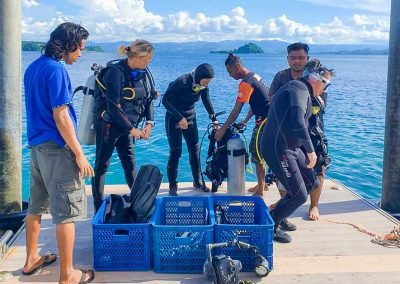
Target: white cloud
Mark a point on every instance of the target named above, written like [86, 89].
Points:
[375, 6]
[30, 3]
[114, 20]
[361, 20]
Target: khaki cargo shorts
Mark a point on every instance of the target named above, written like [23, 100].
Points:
[55, 184]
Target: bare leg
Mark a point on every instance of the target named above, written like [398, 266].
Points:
[32, 234]
[313, 212]
[65, 241]
[260, 171]
[253, 188]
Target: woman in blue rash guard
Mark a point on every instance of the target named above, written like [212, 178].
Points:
[285, 132]
[180, 120]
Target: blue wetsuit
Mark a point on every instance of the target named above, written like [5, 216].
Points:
[285, 132]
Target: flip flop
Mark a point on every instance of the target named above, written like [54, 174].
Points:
[84, 272]
[47, 260]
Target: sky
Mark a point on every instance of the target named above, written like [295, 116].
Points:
[310, 21]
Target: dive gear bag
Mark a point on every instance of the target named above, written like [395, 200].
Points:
[140, 204]
[144, 192]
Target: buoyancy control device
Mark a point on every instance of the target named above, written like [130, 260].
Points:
[217, 155]
[86, 130]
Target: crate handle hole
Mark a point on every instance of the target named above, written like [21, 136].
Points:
[121, 232]
[185, 204]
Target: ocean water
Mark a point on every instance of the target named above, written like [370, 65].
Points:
[354, 119]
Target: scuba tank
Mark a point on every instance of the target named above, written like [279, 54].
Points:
[86, 131]
[236, 165]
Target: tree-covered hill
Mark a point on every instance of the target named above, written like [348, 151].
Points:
[37, 46]
[245, 49]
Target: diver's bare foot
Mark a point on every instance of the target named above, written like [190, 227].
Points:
[253, 189]
[266, 187]
[79, 276]
[313, 213]
[258, 193]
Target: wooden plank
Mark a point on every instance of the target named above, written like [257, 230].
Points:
[321, 251]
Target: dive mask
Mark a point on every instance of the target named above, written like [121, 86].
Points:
[197, 88]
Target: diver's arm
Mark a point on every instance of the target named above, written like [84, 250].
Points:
[205, 98]
[299, 127]
[113, 93]
[232, 117]
[170, 95]
[149, 113]
[248, 116]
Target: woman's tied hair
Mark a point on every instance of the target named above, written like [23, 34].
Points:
[66, 38]
[138, 48]
[315, 66]
[232, 60]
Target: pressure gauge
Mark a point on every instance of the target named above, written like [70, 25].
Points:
[261, 270]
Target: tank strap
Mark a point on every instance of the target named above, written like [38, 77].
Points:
[85, 90]
[236, 153]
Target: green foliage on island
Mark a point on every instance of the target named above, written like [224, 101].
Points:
[95, 48]
[245, 49]
[37, 46]
[32, 46]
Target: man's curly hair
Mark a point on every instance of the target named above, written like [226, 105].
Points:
[66, 38]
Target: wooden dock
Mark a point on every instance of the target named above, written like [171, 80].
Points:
[321, 251]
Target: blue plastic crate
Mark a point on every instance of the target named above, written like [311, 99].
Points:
[249, 221]
[182, 226]
[120, 247]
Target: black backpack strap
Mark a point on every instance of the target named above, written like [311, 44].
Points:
[85, 90]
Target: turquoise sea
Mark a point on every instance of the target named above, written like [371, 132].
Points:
[355, 117]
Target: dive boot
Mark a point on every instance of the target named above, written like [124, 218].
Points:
[201, 186]
[281, 236]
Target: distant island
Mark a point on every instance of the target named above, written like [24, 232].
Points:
[245, 49]
[365, 51]
[37, 46]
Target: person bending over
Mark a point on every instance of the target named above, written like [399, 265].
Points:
[252, 90]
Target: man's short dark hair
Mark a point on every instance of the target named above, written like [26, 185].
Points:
[66, 38]
[232, 60]
[298, 46]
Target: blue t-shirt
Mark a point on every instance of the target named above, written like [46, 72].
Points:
[47, 86]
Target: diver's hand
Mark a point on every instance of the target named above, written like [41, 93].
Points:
[220, 133]
[183, 124]
[85, 169]
[241, 124]
[146, 131]
[136, 133]
[215, 125]
[312, 157]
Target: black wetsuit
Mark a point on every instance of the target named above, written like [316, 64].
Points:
[179, 100]
[286, 130]
[113, 125]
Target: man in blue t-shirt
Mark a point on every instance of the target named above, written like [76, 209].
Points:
[58, 165]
